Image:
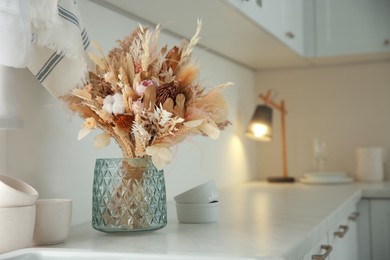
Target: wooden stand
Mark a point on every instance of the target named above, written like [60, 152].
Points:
[282, 109]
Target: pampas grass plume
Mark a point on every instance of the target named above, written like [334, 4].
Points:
[187, 75]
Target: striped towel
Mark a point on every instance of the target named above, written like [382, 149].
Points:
[58, 58]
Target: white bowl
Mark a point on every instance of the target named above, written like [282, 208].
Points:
[16, 227]
[201, 194]
[16, 193]
[52, 222]
[197, 213]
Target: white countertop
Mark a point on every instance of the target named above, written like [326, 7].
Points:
[256, 219]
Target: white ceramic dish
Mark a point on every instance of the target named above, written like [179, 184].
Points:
[326, 181]
[203, 193]
[52, 222]
[197, 213]
[16, 193]
[325, 175]
[16, 227]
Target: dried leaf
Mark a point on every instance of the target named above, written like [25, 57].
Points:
[168, 105]
[102, 141]
[97, 60]
[161, 155]
[130, 68]
[150, 98]
[83, 133]
[210, 129]
[82, 93]
[96, 45]
[193, 123]
[180, 108]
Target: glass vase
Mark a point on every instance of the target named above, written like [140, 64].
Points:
[128, 195]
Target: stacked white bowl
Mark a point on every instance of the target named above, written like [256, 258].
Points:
[17, 213]
[26, 221]
[199, 204]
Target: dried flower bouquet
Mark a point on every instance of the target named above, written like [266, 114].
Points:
[148, 99]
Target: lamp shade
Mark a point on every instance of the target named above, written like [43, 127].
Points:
[260, 126]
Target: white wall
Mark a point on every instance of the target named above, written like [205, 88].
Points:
[346, 106]
[46, 152]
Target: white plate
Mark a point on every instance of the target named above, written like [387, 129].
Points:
[325, 174]
[325, 178]
[326, 181]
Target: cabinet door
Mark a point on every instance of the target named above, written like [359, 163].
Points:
[363, 230]
[343, 239]
[380, 228]
[352, 26]
[281, 18]
[292, 29]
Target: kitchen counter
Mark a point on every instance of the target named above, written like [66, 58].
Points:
[257, 220]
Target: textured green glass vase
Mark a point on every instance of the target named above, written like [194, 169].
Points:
[128, 195]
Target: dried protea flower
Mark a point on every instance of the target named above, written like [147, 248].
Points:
[166, 91]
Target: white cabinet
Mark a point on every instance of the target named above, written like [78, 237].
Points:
[380, 229]
[284, 19]
[374, 229]
[341, 241]
[345, 27]
[323, 27]
[364, 230]
[321, 248]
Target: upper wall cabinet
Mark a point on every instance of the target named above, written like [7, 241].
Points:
[352, 26]
[323, 27]
[227, 29]
[284, 19]
[271, 34]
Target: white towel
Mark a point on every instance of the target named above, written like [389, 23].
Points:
[15, 31]
[58, 58]
[49, 38]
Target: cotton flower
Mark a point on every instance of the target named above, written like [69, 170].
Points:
[114, 104]
[118, 106]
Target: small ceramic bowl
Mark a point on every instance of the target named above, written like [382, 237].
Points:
[16, 193]
[197, 213]
[201, 194]
[16, 227]
[52, 221]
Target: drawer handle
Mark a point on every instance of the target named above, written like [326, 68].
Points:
[342, 232]
[327, 248]
[354, 216]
